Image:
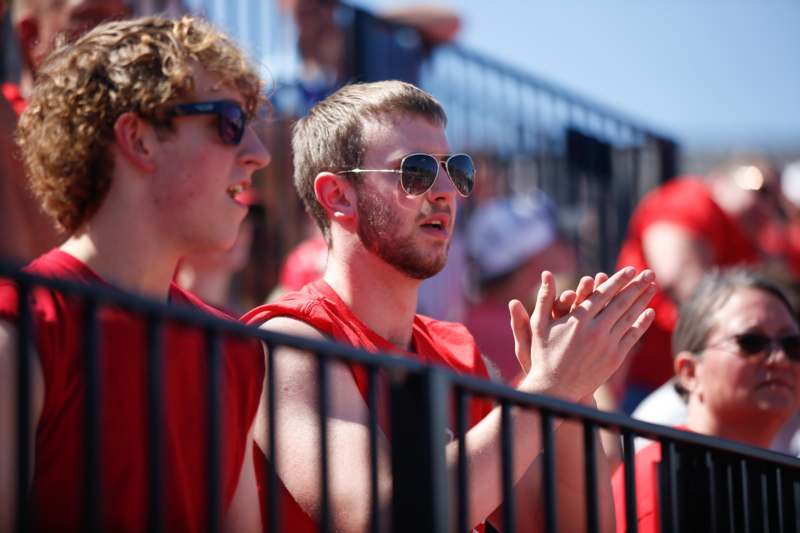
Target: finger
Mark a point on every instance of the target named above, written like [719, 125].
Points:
[633, 312]
[635, 332]
[610, 288]
[564, 304]
[540, 319]
[521, 329]
[600, 278]
[625, 299]
[585, 289]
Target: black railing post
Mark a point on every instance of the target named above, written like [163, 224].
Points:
[629, 460]
[273, 519]
[323, 395]
[214, 441]
[372, 403]
[93, 503]
[24, 338]
[549, 472]
[419, 477]
[155, 425]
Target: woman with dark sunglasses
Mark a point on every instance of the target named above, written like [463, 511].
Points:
[737, 363]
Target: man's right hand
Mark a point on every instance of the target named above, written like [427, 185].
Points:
[572, 355]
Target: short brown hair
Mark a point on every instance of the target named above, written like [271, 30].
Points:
[329, 138]
[141, 66]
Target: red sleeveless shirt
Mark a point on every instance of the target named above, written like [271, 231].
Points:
[317, 304]
[57, 495]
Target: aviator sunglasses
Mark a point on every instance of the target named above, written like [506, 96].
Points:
[757, 343]
[231, 118]
[418, 172]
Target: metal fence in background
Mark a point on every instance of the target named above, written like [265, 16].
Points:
[523, 131]
[705, 483]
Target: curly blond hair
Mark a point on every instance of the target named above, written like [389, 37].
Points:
[142, 66]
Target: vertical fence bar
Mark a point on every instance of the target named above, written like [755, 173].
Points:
[213, 412]
[796, 499]
[713, 506]
[745, 495]
[419, 475]
[629, 462]
[323, 385]
[155, 424]
[507, 464]
[463, 466]
[372, 404]
[93, 502]
[549, 472]
[590, 475]
[273, 507]
[667, 478]
[779, 500]
[732, 514]
[763, 482]
[24, 337]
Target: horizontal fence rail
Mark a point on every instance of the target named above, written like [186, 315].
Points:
[741, 488]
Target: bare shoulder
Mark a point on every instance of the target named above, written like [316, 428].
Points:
[292, 326]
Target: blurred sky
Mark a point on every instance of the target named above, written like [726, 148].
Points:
[716, 74]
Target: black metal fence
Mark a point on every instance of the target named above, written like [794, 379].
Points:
[705, 483]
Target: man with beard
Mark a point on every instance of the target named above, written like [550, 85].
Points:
[370, 168]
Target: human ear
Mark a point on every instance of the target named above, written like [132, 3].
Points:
[337, 196]
[135, 140]
[685, 365]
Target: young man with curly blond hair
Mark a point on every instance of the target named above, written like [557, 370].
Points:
[136, 141]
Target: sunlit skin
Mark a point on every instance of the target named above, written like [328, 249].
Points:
[406, 236]
[735, 395]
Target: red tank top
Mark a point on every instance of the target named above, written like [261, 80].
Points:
[57, 495]
[317, 304]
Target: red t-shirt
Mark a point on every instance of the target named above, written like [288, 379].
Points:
[57, 495]
[646, 464]
[12, 93]
[686, 203]
[436, 342]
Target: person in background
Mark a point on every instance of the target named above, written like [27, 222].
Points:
[37, 25]
[682, 229]
[510, 242]
[137, 141]
[737, 366]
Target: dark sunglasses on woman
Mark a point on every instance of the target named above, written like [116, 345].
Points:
[759, 344]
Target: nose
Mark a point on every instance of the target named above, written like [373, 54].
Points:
[776, 354]
[443, 189]
[252, 152]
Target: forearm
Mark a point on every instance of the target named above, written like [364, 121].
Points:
[484, 456]
[571, 480]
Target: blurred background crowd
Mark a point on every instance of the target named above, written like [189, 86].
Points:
[565, 183]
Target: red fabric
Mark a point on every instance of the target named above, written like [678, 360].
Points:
[488, 323]
[304, 264]
[646, 465]
[686, 203]
[57, 492]
[14, 96]
[443, 343]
